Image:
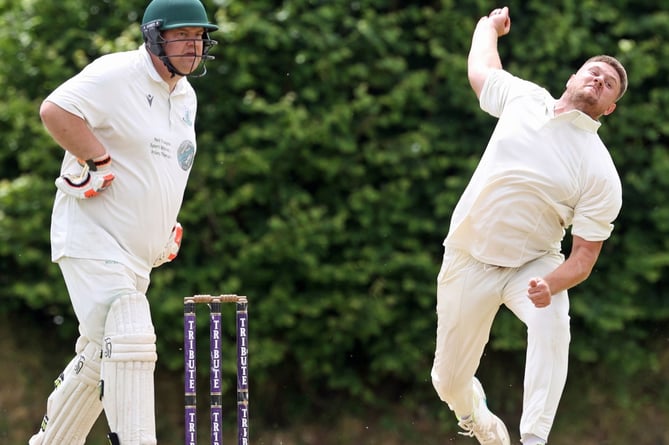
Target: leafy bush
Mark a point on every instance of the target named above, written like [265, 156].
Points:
[334, 140]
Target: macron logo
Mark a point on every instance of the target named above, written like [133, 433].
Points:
[149, 99]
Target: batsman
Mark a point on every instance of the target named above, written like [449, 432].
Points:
[127, 125]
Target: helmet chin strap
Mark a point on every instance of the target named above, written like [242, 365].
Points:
[175, 72]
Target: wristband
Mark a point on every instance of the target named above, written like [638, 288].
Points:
[93, 164]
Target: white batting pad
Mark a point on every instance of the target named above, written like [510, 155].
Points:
[128, 361]
[74, 405]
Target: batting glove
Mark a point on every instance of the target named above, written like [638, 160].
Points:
[172, 247]
[95, 176]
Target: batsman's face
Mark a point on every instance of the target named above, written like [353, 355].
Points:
[184, 47]
[594, 88]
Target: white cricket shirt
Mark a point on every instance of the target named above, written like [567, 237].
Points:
[539, 174]
[150, 135]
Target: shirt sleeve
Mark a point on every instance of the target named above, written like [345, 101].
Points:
[500, 87]
[598, 208]
[87, 94]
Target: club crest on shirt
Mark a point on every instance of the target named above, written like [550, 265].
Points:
[186, 155]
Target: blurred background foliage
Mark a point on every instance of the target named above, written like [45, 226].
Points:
[334, 140]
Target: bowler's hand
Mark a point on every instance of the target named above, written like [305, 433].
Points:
[539, 293]
[500, 20]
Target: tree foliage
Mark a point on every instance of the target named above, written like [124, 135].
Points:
[334, 141]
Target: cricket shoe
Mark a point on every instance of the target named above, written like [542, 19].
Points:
[486, 427]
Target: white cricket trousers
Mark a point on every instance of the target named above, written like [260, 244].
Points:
[469, 294]
[93, 285]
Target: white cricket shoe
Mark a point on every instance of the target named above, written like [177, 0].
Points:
[483, 424]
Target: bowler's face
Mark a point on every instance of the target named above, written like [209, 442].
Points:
[594, 88]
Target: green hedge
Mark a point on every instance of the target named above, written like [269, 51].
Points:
[334, 141]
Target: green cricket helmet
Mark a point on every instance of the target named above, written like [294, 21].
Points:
[161, 15]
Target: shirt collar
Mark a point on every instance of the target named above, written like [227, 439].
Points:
[154, 73]
[575, 117]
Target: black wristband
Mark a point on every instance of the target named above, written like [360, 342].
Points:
[93, 165]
